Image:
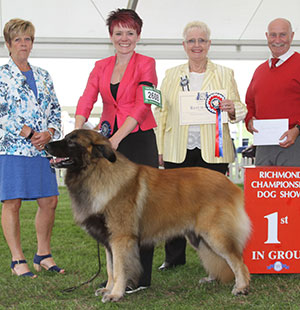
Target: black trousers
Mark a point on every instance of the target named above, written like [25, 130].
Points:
[140, 147]
[175, 248]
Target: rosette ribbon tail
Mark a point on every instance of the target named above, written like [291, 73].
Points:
[219, 135]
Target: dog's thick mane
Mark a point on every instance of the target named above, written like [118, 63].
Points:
[99, 185]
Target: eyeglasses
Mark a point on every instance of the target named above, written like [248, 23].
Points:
[193, 41]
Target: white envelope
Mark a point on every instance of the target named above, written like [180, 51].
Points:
[269, 131]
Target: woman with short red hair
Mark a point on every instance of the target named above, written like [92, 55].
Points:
[126, 119]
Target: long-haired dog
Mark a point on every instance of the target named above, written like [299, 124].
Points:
[124, 205]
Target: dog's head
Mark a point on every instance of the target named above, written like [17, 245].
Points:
[80, 148]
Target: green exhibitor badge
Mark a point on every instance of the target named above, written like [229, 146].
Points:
[152, 96]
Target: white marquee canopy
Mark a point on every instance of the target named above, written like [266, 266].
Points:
[76, 28]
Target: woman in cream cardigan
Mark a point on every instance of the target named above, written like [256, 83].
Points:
[194, 145]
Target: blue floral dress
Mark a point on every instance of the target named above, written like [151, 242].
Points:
[25, 172]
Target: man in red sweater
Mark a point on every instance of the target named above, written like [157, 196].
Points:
[274, 93]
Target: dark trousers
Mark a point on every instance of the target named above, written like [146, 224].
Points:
[140, 147]
[175, 248]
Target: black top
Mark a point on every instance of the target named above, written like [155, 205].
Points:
[114, 89]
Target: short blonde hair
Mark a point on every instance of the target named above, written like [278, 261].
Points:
[18, 26]
[196, 24]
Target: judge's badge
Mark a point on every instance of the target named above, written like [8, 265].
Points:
[152, 96]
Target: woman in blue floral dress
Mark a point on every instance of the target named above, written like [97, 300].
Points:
[29, 118]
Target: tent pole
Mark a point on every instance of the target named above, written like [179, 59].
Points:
[132, 4]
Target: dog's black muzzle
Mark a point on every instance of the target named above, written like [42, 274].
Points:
[60, 158]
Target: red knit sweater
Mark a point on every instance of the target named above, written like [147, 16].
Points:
[275, 93]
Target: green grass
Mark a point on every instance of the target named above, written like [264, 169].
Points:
[176, 289]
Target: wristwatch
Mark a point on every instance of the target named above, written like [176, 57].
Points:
[30, 135]
[298, 127]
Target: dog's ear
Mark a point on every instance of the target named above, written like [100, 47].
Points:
[100, 150]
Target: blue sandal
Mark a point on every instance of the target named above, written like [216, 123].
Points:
[38, 265]
[26, 274]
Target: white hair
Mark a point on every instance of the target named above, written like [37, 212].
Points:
[196, 24]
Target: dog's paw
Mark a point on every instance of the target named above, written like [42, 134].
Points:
[207, 280]
[111, 297]
[240, 291]
[102, 291]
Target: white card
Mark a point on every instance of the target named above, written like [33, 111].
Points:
[199, 107]
[269, 131]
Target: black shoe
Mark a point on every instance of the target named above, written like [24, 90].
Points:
[103, 284]
[128, 290]
[131, 290]
[165, 266]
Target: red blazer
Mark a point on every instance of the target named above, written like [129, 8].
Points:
[129, 101]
